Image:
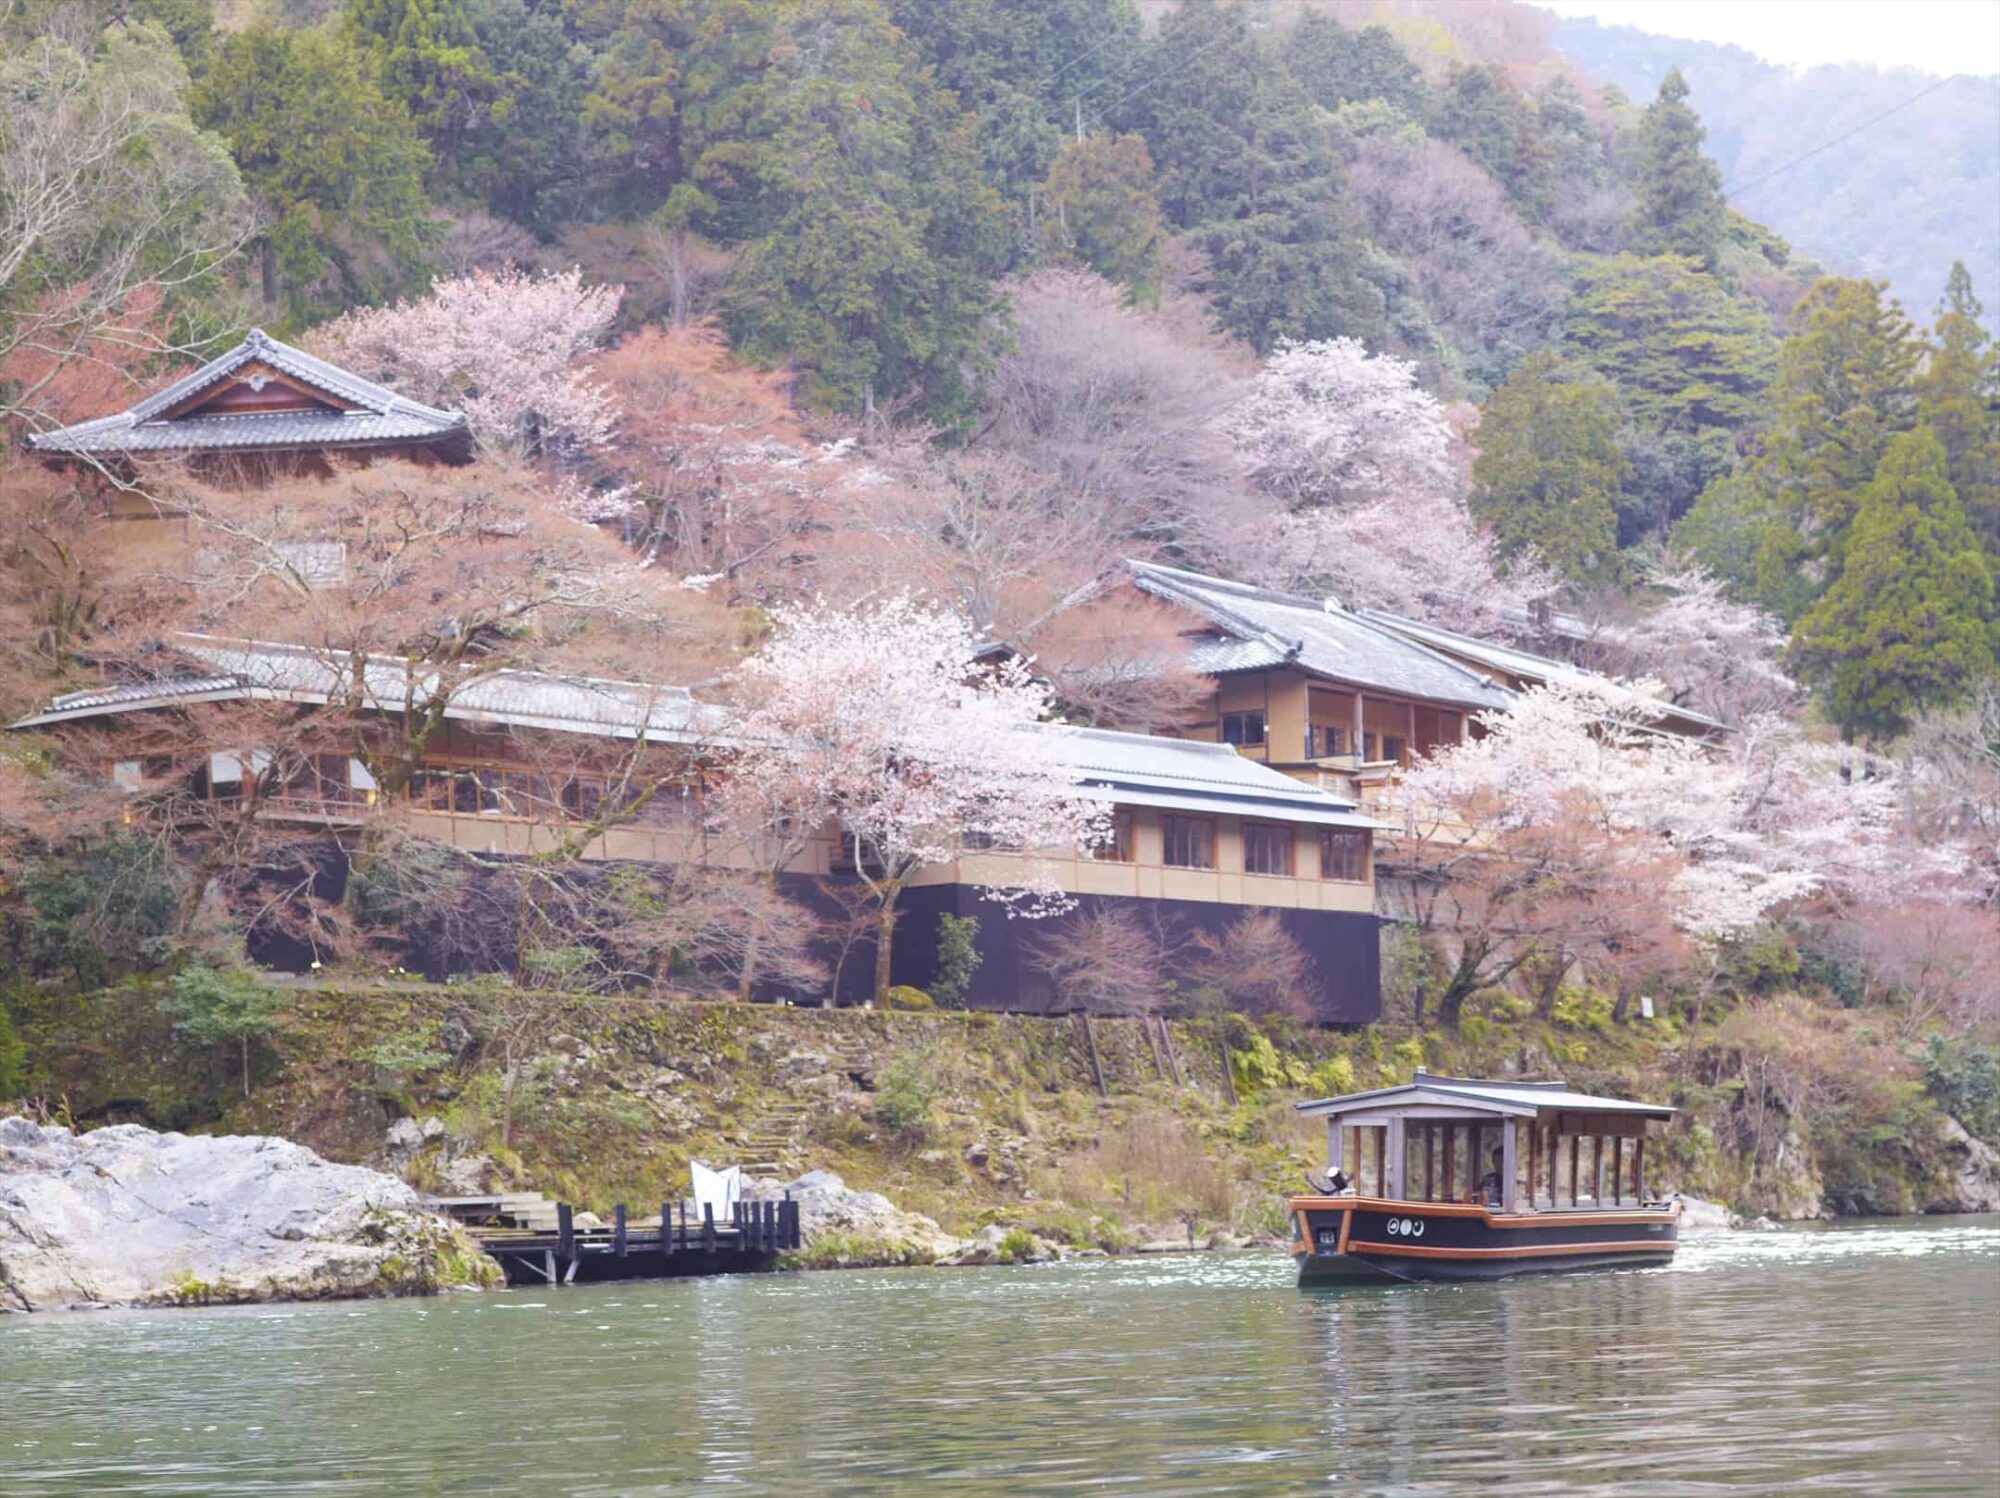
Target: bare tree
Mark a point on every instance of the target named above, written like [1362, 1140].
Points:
[1103, 961]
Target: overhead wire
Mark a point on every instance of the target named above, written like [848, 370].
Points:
[1731, 189]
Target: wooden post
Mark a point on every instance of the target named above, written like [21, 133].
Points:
[1410, 741]
[708, 1226]
[1427, 1132]
[666, 1227]
[1575, 1149]
[1507, 1165]
[1534, 1159]
[1096, 1066]
[1358, 739]
[1639, 1169]
[1450, 1150]
[1597, 1170]
[565, 1230]
[618, 1230]
[1617, 1170]
[1399, 1154]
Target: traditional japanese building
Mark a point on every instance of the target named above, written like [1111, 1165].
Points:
[523, 760]
[262, 409]
[1338, 697]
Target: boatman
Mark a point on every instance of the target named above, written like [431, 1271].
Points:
[1489, 1184]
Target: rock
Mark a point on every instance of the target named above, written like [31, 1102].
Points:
[1763, 1225]
[866, 1222]
[127, 1216]
[404, 1137]
[1971, 1175]
[1698, 1216]
[466, 1175]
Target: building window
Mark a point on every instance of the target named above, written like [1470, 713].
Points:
[1267, 849]
[1393, 745]
[1326, 741]
[1187, 842]
[1343, 854]
[1118, 848]
[1243, 729]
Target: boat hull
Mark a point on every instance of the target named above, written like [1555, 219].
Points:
[1345, 1240]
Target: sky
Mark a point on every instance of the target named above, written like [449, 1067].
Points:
[1935, 36]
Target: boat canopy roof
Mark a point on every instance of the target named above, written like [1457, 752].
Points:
[1427, 1096]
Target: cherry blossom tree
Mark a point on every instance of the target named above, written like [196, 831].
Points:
[874, 718]
[1714, 654]
[1328, 423]
[510, 348]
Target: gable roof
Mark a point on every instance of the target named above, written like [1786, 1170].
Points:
[1523, 665]
[1132, 769]
[1261, 629]
[379, 416]
[1511, 1099]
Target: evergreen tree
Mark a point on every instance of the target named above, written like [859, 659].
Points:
[530, 141]
[1680, 209]
[1098, 206]
[1686, 354]
[338, 166]
[1958, 397]
[1338, 65]
[1196, 114]
[1549, 469]
[873, 270]
[427, 56]
[1485, 116]
[1910, 621]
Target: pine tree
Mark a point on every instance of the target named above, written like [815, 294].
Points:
[338, 165]
[1680, 209]
[427, 55]
[1098, 206]
[1484, 115]
[1549, 469]
[1910, 621]
[1338, 65]
[1958, 396]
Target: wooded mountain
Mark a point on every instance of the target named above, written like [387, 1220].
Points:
[1898, 199]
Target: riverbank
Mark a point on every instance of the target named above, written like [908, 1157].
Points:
[1103, 1137]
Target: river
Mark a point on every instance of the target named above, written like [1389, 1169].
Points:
[1862, 1358]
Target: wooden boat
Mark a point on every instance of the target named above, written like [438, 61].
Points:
[1475, 1180]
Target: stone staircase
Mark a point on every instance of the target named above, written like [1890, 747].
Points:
[773, 1142]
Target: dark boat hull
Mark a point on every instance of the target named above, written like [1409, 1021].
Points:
[1346, 1240]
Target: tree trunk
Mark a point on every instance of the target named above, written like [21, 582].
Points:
[1551, 989]
[1463, 985]
[244, 1040]
[885, 935]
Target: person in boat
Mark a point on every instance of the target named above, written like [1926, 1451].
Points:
[1489, 1184]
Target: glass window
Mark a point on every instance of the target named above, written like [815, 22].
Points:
[1267, 849]
[1392, 747]
[1326, 741]
[1188, 842]
[1243, 728]
[1119, 848]
[1343, 854]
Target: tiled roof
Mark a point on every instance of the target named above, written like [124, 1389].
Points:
[1266, 629]
[384, 416]
[251, 670]
[1522, 664]
[1185, 774]
[1523, 1098]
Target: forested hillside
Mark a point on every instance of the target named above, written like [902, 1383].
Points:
[891, 325]
[1884, 173]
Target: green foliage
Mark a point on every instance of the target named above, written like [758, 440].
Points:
[1683, 351]
[872, 270]
[1331, 1077]
[1964, 1076]
[13, 1059]
[1259, 1065]
[958, 959]
[1762, 960]
[1099, 208]
[1016, 1246]
[903, 1096]
[1481, 112]
[426, 56]
[1958, 397]
[1339, 65]
[559, 969]
[909, 1000]
[217, 1006]
[101, 910]
[1680, 209]
[1549, 469]
[1910, 621]
[338, 166]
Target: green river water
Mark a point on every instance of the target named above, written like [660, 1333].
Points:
[1863, 1358]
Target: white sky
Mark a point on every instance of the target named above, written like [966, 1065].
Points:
[1936, 36]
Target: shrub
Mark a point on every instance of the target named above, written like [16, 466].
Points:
[1017, 1246]
[902, 996]
[1965, 1079]
[214, 1006]
[958, 959]
[903, 1100]
[101, 912]
[13, 1059]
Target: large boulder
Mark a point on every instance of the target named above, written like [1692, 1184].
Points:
[842, 1226]
[1970, 1179]
[127, 1216]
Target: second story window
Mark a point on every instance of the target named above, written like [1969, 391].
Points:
[1187, 842]
[1243, 729]
[1118, 848]
[1267, 849]
[1343, 854]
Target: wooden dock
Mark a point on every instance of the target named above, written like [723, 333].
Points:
[538, 1242]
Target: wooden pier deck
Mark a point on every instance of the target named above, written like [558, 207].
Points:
[538, 1242]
